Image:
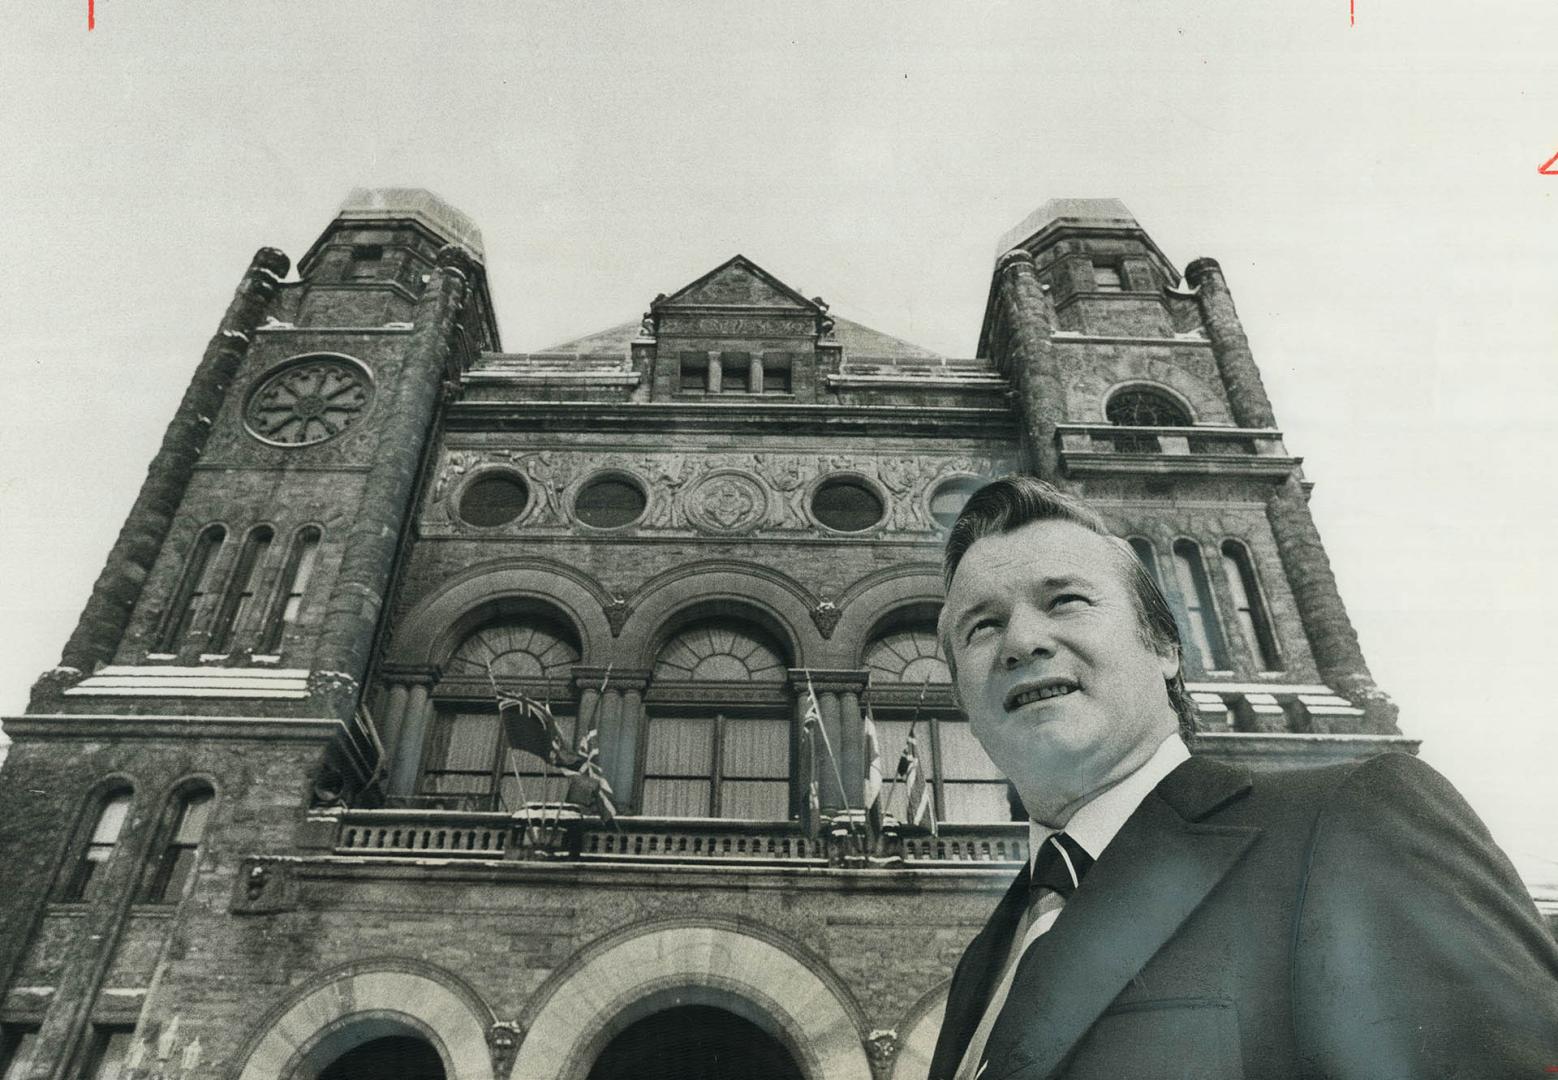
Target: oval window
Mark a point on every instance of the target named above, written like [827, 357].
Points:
[846, 505]
[494, 499]
[609, 503]
[947, 501]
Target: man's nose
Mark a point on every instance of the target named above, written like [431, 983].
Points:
[1028, 634]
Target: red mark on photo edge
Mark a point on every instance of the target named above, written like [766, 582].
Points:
[1549, 170]
[1352, 12]
[91, 14]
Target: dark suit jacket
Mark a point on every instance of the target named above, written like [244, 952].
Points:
[1353, 922]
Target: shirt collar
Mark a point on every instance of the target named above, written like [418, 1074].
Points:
[1095, 824]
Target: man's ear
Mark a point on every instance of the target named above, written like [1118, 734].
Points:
[1168, 661]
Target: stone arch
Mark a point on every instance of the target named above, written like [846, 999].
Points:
[917, 1033]
[1092, 387]
[628, 975]
[875, 597]
[777, 603]
[435, 626]
[350, 1006]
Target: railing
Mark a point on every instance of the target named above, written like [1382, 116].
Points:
[553, 832]
[1085, 444]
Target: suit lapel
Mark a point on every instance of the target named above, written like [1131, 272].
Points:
[975, 978]
[1154, 873]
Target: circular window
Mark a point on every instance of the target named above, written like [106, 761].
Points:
[846, 505]
[493, 499]
[947, 501]
[609, 502]
[1140, 407]
[308, 401]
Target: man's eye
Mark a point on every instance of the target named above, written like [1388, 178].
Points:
[1067, 600]
[981, 625]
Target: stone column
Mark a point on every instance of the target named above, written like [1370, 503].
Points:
[712, 382]
[755, 373]
[1241, 378]
[838, 697]
[352, 612]
[1025, 353]
[1332, 639]
[416, 717]
[618, 716]
[118, 588]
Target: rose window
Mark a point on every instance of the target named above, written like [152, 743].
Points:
[308, 402]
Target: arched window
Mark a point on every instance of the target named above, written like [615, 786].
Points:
[290, 589]
[1140, 406]
[1254, 623]
[176, 863]
[195, 586]
[1205, 634]
[1148, 557]
[904, 656]
[403, 1057]
[720, 750]
[99, 846]
[238, 600]
[467, 761]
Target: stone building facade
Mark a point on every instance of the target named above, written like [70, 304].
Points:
[262, 821]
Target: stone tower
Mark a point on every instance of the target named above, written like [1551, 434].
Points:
[264, 817]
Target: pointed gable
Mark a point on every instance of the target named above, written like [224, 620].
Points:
[740, 283]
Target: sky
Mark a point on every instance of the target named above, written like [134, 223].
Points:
[1370, 185]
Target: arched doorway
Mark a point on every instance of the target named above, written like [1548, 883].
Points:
[694, 1042]
[394, 1057]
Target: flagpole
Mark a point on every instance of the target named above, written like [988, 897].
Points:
[827, 744]
[519, 785]
[595, 712]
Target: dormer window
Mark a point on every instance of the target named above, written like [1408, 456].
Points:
[1107, 279]
[733, 372]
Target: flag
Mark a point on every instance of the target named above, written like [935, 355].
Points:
[919, 810]
[530, 726]
[873, 779]
[587, 785]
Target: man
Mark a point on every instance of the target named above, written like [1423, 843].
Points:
[1189, 919]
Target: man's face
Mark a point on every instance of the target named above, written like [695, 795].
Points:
[1059, 687]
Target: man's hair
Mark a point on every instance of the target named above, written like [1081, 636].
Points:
[1007, 504]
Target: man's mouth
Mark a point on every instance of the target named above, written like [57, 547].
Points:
[1050, 688]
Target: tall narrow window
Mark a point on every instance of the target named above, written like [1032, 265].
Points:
[99, 847]
[195, 587]
[18, 1044]
[238, 600]
[736, 373]
[176, 864]
[109, 1051]
[1205, 634]
[291, 588]
[1148, 557]
[718, 766]
[1254, 623]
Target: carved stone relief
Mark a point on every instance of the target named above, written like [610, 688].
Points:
[720, 493]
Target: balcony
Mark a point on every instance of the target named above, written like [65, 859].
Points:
[1116, 448]
[552, 832]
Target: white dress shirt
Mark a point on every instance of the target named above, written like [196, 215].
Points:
[1093, 826]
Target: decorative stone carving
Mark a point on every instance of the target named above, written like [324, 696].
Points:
[308, 402]
[616, 612]
[646, 327]
[264, 887]
[727, 503]
[503, 1039]
[882, 1049]
[826, 615]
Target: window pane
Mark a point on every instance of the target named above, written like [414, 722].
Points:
[108, 1060]
[756, 748]
[472, 739]
[192, 818]
[181, 864]
[676, 798]
[976, 802]
[20, 1047]
[680, 746]
[962, 758]
[532, 788]
[761, 800]
[111, 820]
